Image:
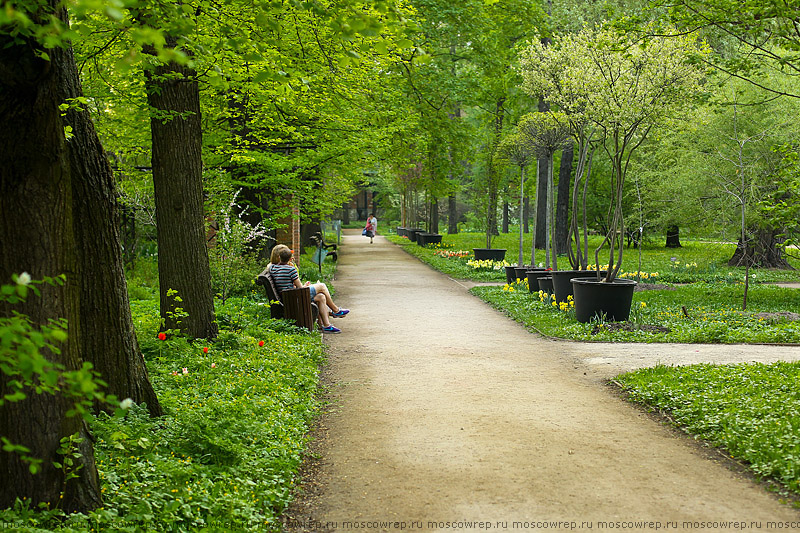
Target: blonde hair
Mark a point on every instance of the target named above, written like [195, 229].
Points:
[277, 252]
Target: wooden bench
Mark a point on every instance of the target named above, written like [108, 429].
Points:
[291, 304]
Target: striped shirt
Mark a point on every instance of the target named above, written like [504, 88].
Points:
[284, 276]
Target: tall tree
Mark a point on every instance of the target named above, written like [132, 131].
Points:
[187, 302]
[37, 219]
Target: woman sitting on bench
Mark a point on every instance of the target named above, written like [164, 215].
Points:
[285, 275]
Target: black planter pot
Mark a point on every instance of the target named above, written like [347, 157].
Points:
[402, 232]
[546, 283]
[511, 274]
[489, 254]
[533, 275]
[561, 281]
[411, 233]
[597, 298]
[424, 239]
[522, 272]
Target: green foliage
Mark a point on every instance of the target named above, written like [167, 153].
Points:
[225, 454]
[26, 350]
[750, 410]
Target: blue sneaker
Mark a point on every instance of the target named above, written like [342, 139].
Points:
[340, 313]
[331, 329]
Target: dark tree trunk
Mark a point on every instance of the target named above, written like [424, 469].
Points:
[306, 232]
[452, 215]
[183, 268]
[346, 213]
[36, 235]
[562, 203]
[108, 339]
[541, 205]
[673, 237]
[434, 227]
[491, 171]
[506, 216]
[761, 251]
[526, 213]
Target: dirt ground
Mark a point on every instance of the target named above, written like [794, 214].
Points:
[445, 415]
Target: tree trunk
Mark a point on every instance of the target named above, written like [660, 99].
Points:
[506, 216]
[491, 171]
[108, 338]
[541, 204]
[184, 275]
[346, 213]
[36, 235]
[562, 205]
[452, 215]
[526, 214]
[673, 237]
[434, 227]
[761, 251]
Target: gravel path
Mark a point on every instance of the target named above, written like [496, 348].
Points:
[447, 416]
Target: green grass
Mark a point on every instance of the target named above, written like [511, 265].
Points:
[750, 410]
[225, 455]
[694, 261]
[714, 315]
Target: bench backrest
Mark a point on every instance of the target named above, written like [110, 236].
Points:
[266, 279]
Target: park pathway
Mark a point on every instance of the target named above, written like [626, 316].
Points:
[447, 416]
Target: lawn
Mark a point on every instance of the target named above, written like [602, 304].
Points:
[225, 455]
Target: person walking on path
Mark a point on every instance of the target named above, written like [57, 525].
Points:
[371, 229]
[286, 276]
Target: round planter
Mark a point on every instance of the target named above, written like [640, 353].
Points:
[489, 254]
[533, 275]
[561, 281]
[600, 299]
[511, 274]
[521, 272]
[411, 233]
[424, 239]
[546, 283]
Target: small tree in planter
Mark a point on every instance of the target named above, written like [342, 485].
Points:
[516, 150]
[622, 89]
[549, 73]
[635, 86]
[546, 133]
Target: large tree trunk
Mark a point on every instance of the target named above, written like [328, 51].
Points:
[434, 226]
[562, 205]
[541, 205]
[183, 268]
[36, 235]
[452, 215]
[761, 251]
[673, 237]
[491, 171]
[108, 338]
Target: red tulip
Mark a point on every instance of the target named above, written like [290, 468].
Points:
[205, 350]
[162, 336]
[261, 343]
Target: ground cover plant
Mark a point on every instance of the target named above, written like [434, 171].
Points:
[750, 410]
[696, 260]
[711, 315]
[225, 454]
